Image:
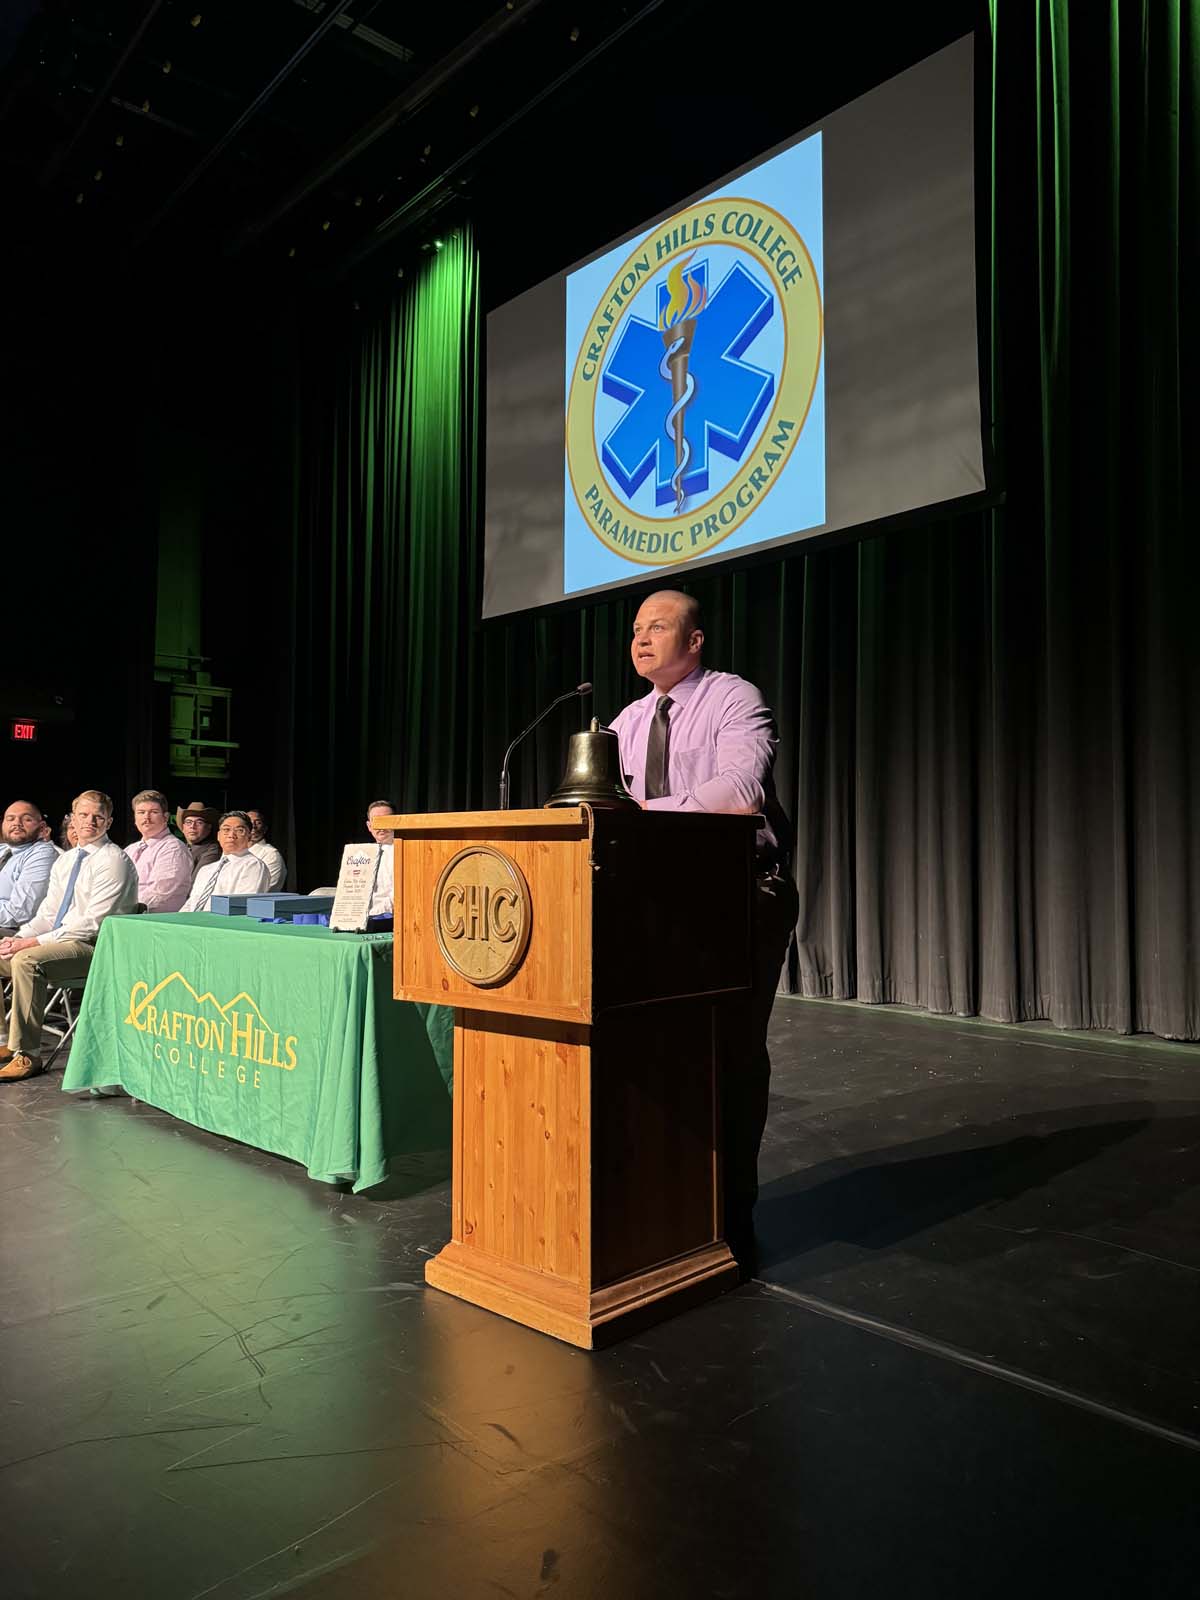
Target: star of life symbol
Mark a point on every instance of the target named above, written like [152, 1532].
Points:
[692, 381]
[717, 400]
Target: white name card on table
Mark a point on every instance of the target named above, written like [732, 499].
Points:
[355, 886]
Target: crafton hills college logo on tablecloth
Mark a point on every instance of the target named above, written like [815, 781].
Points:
[483, 913]
[185, 1028]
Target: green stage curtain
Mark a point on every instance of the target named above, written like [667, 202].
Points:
[382, 440]
[990, 726]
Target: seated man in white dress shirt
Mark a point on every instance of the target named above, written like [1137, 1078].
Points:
[163, 863]
[237, 872]
[381, 898]
[94, 880]
[259, 847]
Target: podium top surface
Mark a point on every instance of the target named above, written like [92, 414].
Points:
[565, 817]
[546, 818]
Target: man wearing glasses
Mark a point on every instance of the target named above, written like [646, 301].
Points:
[237, 872]
[93, 881]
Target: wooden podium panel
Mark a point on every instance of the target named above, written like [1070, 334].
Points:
[520, 1132]
[551, 849]
[586, 1187]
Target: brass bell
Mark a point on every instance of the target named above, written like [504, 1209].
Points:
[593, 773]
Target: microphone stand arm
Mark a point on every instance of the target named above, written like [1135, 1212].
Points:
[571, 694]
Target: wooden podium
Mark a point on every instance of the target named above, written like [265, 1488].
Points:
[589, 956]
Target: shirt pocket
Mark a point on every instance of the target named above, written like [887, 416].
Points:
[690, 767]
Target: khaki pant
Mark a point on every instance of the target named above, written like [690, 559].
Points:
[34, 972]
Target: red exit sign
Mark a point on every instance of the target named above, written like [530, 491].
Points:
[26, 732]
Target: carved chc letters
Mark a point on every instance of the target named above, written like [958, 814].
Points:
[482, 913]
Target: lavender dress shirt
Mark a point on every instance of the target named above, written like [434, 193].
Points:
[164, 871]
[721, 745]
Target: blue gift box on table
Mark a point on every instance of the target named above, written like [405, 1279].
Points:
[228, 905]
[287, 907]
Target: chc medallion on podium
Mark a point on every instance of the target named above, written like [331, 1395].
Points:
[482, 913]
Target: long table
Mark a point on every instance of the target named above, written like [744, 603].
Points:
[283, 1037]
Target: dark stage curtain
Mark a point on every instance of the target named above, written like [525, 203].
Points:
[990, 737]
[78, 526]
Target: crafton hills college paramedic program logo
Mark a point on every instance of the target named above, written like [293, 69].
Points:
[705, 348]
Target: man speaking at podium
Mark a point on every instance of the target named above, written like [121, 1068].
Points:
[705, 741]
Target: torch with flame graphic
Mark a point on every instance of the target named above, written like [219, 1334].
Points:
[686, 299]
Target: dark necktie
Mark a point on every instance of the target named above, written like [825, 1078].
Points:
[4, 855]
[657, 782]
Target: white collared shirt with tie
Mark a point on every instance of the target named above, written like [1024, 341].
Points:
[105, 885]
[237, 873]
[381, 898]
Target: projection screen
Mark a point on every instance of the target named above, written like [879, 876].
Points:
[791, 352]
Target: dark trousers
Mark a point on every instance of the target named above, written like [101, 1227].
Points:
[746, 1066]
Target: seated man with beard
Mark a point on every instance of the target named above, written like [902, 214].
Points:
[93, 881]
[26, 860]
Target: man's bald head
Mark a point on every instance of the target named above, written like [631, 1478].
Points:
[667, 638]
[689, 607]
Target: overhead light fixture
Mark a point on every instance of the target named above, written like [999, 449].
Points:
[166, 66]
[197, 20]
[119, 141]
[437, 244]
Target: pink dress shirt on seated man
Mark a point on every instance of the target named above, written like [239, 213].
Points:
[164, 870]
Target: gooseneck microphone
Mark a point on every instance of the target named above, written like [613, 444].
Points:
[580, 690]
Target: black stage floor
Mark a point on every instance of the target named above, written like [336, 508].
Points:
[969, 1367]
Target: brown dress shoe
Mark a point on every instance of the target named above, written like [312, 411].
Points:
[20, 1066]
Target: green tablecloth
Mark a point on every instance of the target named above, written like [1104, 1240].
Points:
[285, 1038]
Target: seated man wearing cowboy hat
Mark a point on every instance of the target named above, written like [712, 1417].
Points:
[196, 823]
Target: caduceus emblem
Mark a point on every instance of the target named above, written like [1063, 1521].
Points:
[686, 299]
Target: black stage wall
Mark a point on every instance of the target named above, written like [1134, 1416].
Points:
[78, 532]
[990, 725]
